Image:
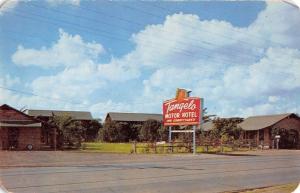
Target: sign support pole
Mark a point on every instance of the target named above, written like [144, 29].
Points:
[170, 134]
[170, 139]
[194, 140]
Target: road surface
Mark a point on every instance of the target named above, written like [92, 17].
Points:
[41, 172]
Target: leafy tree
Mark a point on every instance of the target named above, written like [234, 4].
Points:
[115, 132]
[135, 130]
[226, 129]
[150, 131]
[92, 129]
[163, 133]
[67, 131]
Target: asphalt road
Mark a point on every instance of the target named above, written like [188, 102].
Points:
[88, 173]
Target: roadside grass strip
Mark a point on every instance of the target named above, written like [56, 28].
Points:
[146, 148]
[285, 188]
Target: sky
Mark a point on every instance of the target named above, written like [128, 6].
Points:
[242, 57]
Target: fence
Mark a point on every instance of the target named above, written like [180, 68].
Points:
[187, 146]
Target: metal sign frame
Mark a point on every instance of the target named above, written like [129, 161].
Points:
[189, 131]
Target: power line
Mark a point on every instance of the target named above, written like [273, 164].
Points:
[36, 95]
[65, 101]
[247, 32]
[192, 27]
[56, 23]
[186, 24]
[136, 23]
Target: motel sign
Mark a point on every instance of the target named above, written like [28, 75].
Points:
[182, 111]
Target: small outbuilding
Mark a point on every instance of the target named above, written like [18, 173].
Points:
[263, 129]
[18, 131]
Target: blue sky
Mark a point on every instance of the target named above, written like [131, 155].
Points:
[242, 57]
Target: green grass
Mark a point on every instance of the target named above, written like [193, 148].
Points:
[107, 147]
[145, 148]
[286, 188]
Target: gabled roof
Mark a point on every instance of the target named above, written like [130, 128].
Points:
[76, 115]
[260, 122]
[133, 117]
[8, 116]
[11, 117]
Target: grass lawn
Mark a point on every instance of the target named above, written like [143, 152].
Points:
[286, 188]
[107, 147]
[145, 148]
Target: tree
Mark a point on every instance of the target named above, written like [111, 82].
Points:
[207, 117]
[67, 131]
[149, 130]
[163, 133]
[115, 132]
[135, 130]
[226, 129]
[92, 129]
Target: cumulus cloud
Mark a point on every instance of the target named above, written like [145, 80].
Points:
[68, 51]
[247, 85]
[238, 71]
[81, 76]
[72, 83]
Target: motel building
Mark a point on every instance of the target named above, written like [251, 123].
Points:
[130, 118]
[265, 130]
[44, 115]
[18, 131]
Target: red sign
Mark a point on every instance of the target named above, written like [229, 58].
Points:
[182, 111]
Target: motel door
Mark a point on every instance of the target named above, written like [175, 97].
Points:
[12, 136]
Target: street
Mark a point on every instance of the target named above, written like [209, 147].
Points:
[29, 172]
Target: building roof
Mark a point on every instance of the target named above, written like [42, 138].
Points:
[133, 117]
[260, 122]
[76, 115]
[5, 114]
[207, 126]
[11, 117]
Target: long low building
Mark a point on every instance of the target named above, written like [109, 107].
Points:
[45, 115]
[132, 117]
[262, 130]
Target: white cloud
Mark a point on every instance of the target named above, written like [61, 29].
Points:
[241, 87]
[58, 2]
[67, 51]
[81, 76]
[9, 81]
[239, 71]
[73, 84]
[100, 109]
[273, 99]
[119, 69]
[7, 5]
